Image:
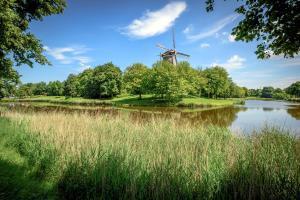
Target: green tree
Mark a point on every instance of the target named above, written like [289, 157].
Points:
[17, 44]
[218, 82]
[274, 23]
[25, 90]
[106, 81]
[84, 79]
[71, 86]
[192, 80]
[267, 92]
[55, 88]
[294, 89]
[40, 88]
[8, 84]
[136, 79]
[165, 80]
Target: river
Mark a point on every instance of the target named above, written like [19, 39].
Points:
[241, 119]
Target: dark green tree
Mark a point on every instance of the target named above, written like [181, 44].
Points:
[267, 92]
[40, 88]
[8, 84]
[294, 89]
[17, 44]
[71, 86]
[106, 81]
[55, 88]
[275, 24]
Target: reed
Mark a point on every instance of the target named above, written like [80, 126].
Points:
[94, 157]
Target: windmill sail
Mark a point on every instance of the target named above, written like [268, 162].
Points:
[170, 55]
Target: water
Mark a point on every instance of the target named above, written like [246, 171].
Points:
[272, 113]
[253, 115]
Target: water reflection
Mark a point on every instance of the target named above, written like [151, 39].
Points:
[245, 118]
[294, 111]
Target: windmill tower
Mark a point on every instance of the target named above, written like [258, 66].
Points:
[170, 55]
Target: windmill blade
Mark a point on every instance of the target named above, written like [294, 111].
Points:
[162, 47]
[174, 45]
[183, 54]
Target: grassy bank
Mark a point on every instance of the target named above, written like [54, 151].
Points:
[70, 156]
[147, 100]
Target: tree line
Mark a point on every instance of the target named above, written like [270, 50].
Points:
[292, 91]
[163, 80]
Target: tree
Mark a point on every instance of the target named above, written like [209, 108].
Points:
[40, 88]
[84, 79]
[25, 90]
[55, 88]
[8, 84]
[274, 23]
[106, 81]
[71, 86]
[192, 80]
[136, 79]
[294, 89]
[165, 80]
[217, 82]
[17, 45]
[267, 92]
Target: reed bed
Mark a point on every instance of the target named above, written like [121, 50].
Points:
[113, 157]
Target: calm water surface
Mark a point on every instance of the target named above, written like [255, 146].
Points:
[257, 114]
[254, 115]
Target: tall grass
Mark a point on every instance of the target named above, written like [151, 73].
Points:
[105, 157]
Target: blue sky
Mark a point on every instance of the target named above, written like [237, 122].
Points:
[90, 33]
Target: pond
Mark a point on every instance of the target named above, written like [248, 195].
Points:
[241, 119]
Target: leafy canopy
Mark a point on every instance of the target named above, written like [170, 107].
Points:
[136, 79]
[17, 44]
[274, 23]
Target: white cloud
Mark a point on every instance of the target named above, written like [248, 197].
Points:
[188, 29]
[204, 45]
[214, 29]
[70, 55]
[234, 62]
[231, 38]
[155, 22]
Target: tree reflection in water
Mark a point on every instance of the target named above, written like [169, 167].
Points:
[294, 111]
[222, 116]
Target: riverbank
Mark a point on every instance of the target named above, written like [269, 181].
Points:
[71, 156]
[273, 99]
[147, 100]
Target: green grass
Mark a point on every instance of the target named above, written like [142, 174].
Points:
[77, 156]
[147, 100]
[18, 177]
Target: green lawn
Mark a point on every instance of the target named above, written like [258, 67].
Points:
[126, 100]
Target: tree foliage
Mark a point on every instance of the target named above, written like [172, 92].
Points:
[71, 86]
[136, 79]
[294, 89]
[55, 88]
[17, 44]
[218, 82]
[165, 80]
[275, 24]
[106, 81]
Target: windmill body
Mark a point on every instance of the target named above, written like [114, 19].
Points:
[170, 55]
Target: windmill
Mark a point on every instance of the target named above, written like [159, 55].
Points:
[170, 55]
